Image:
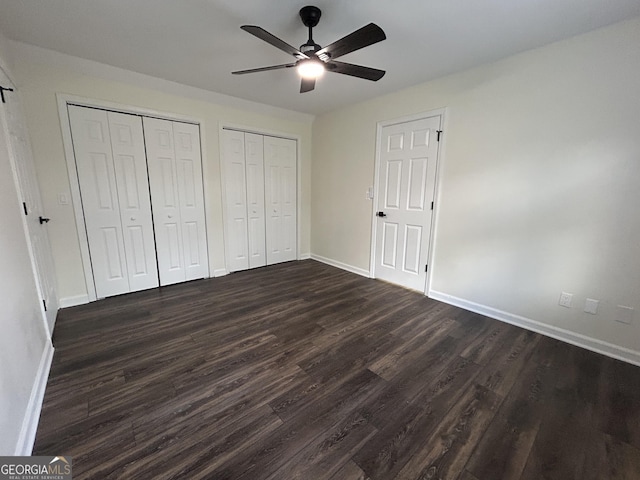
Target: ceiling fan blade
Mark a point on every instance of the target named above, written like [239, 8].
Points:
[307, 84]
[359, 71]
[365, 36]
[264, 69]
[262, 34]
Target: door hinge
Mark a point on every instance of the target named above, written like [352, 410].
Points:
[24, 205]
[438, 132]
[426, 267]
[2, 90]
[44, 302]
[431, 205]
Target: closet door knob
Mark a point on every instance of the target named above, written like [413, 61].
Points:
[170, 216]
[133, 219]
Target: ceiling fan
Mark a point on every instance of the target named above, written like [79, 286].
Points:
[313, 60]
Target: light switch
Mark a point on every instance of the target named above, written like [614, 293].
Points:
[369, 194]
[63, 199]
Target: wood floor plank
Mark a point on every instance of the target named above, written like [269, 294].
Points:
[503, 369]
[302, 370]
[619, 401]
[446, 451]
[350, 471]
[408, 352]
[322, 458]
[504, 449]
[608, 458]
[295, 434]
[398, 440]
[467, 476]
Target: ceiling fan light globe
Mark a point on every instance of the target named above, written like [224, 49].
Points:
[310, 68]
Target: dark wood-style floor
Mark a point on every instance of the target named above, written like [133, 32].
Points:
[304, 371]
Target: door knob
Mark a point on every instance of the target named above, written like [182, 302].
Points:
[43, 220]
[133, 219]
[381, 214]
[170, 216]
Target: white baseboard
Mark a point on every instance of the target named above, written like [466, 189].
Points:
[343, 266]
[32, 417]
[73, 301]
[220, 272]
[304, 256]
[590, 343]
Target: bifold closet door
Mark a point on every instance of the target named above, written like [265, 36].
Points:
[280, 199]
[112, 172]
[175, 176]
[244, 199]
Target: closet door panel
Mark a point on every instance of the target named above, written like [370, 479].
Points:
[280, 199]
[235, 194]
[254, 156]
[163, 182]
[127, 144]
[99, 192]
[289, 210]
[191, 200]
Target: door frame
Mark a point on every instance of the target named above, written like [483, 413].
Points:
[269, 133]
[64, 100]
[442, 112]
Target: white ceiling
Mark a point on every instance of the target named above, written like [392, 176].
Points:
[199, 42]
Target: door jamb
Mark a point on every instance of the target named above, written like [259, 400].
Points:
[442, 112]
[64, 100]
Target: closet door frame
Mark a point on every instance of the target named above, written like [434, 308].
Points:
[64, 100]
[268, 133]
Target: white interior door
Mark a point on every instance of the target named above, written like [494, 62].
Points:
[22, 161]
[254, 155]
[175, 178]
[234, 175]
[130, 165]
[191, 200]
[406, 183]
[280, 199]
[97, 179]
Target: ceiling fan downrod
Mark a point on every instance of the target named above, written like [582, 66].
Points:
[310, 17]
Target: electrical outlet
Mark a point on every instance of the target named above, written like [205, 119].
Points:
[624, 314]
[565, 299]
[591, 306]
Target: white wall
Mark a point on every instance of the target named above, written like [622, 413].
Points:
[538, 186]
[25, 349]
[42, 74]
